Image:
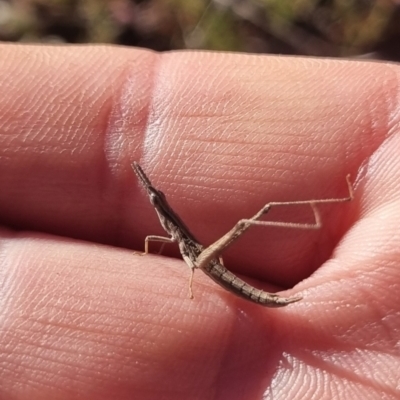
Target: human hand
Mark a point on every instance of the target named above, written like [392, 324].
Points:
[221, 135]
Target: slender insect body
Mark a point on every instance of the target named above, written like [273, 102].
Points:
[221, 275]
[207, 259]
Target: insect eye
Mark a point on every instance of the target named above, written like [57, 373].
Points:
[153, 199]
[154, 196]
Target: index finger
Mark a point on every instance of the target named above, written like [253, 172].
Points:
[220, 135]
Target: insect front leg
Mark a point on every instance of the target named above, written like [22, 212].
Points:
[152, 238]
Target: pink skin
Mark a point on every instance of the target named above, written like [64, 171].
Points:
[220, 135]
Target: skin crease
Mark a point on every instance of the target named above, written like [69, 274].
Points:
[83, 317]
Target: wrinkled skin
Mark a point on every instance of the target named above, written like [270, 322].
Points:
[84, 317]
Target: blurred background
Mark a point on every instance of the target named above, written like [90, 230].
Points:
[329, 28]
